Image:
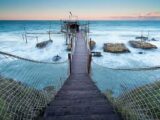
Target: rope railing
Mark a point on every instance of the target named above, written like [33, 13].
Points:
[27, 86]
[131, 68]
[134, 93]
[30, 60]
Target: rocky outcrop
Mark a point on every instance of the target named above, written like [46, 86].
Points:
[43, 44]
[92, 44]
[115, 48]
[142, 45]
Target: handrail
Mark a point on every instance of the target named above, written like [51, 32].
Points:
[30, 60]
[130, 69]
[70, 62]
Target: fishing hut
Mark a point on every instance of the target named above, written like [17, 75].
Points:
[71, 27]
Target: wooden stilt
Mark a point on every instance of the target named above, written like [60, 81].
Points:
[69, 58]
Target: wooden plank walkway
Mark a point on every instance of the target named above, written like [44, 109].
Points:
[79, 98]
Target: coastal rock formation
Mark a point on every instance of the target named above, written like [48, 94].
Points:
[43, 44]
[115, 48]
[142, 45]
[92, 44]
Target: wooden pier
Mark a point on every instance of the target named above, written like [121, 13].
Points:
[79, 98]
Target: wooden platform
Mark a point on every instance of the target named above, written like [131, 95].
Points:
[79, 98]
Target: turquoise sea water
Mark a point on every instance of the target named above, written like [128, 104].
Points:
[102, 32]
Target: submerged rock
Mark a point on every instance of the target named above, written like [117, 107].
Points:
[92, 44]
[153, 39]
[115, 48]
[96, 54]
[140, 52]
[56, 58]
[43, 44]
[142, 45]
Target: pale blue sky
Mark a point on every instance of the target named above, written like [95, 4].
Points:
[85, 9]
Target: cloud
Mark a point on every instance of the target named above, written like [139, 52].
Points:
[156, 14]
[142, 16]
[151, 15]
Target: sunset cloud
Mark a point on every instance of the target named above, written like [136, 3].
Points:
[155, 14]
[142, 16]
[150, 15]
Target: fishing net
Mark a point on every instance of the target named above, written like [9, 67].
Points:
[27, 86]
[134, 92]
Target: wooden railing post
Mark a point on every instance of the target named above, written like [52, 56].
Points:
[71, 42]
[69, 58]
[89, 63]
[90, 41]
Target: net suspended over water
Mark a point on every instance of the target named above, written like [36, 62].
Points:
[134, 92]
[27, 86]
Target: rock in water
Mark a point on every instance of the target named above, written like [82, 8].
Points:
[56, 58]
[115, 48]
[142, 45]
[92, 44]
[140, 52]
[153, 39]
[96, 54]
[43, 44]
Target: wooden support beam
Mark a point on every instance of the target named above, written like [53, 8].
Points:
[89, 63]
[69, 58]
